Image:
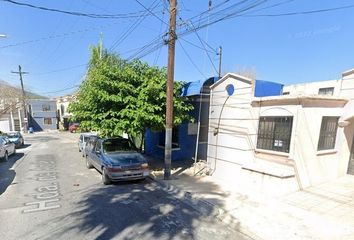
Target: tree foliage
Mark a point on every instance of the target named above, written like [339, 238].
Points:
[120, 96]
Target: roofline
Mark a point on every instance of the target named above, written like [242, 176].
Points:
[232, 75]
[349, 72]
[289, 99]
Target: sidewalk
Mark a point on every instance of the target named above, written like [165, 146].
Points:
[322, 212]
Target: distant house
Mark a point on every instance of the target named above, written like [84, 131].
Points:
[297, 138]
[12, 117]
[42, 114]
[62, 110]
[185, 136]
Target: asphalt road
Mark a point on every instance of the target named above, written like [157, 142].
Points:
[47, 193]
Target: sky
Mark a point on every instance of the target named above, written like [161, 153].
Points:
[54, 47]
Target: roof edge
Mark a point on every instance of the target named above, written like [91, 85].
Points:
[231, 75]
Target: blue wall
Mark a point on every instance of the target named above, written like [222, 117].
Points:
[266, 89]
[37, 115]
[186, 143]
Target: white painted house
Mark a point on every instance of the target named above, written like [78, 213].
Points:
[284, 142]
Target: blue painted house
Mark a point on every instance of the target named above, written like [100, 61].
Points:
[185, 136]
[42, 114]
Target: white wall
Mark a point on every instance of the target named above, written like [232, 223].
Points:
[312, 88]
[347, 85]
[235, 123]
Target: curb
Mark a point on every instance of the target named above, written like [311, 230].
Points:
[205, 208]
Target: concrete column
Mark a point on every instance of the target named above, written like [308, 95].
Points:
[20, 120]
[12, 128]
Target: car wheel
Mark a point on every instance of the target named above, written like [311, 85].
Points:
[88, 164]
[105, 178]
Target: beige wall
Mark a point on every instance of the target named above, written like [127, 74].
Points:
[235, 120]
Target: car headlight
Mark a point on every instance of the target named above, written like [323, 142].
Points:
[144, 165]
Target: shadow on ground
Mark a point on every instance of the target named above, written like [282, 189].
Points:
[139, 210]
[7, 174]
[159, 164]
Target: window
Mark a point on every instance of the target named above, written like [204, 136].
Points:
[175, 142]
[47, 121]
[286, 93]
[328, 133]
[45, 107]
[274, 133]
[326, 91]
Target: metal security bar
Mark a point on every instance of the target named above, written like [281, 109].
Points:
[328, 133]
[274, 133]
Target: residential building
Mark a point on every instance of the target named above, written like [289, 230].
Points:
[186, 135]
[62, 110]
[42, 114]
[281, 142]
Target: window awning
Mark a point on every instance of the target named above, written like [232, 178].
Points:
[348, 114]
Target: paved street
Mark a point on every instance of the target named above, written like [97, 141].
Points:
[47, 193]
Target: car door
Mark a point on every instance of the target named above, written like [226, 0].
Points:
[96, 155]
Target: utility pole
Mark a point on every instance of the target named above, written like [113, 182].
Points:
[220, 57]
[169, 90]
[23, 97]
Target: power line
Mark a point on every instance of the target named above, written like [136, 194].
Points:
[132, 27]
[151, 12]
[80, 14]
[301, 13]
[66, 34]
[61, 90]
[60, 70]
[195, 45]
[204, 48]
[191, 60]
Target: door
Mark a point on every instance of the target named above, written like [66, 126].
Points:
[96, 157]
[351, 160]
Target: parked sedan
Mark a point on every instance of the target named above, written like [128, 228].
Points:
[117, 160]
[83, 139]
[16, 138]
[7, 148]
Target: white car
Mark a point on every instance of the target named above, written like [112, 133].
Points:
[7, 148]
[84, 137]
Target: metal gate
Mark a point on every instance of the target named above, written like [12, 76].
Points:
[351, 160]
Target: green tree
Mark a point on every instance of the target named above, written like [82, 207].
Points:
[119, 96]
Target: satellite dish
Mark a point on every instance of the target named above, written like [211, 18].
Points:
[230, 89]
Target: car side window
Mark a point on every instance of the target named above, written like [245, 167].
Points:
[98, 146]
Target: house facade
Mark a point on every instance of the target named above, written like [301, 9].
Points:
[62, 110]
[12, 116]
[186, 135]
[42, 114]
[283, 142]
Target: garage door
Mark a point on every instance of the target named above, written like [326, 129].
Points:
[4, 125]
[351, 160]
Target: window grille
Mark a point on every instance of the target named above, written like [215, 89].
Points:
[326, 91]
[328, 133]
[274, 133]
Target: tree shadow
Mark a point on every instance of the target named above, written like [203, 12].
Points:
[7, 174]
[138, 210]
[159, 164]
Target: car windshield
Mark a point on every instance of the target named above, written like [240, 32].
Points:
[12, 135]
[117, 145]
